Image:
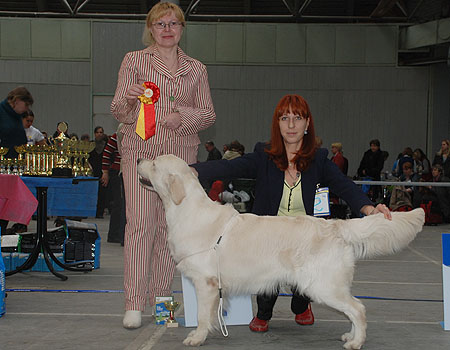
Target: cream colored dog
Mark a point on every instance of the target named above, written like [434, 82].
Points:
[258, 253]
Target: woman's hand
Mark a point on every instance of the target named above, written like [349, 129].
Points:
[104, 179]
[133, 93]
[380, 208]
[172, 121]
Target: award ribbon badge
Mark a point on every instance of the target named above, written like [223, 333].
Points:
[146, 123]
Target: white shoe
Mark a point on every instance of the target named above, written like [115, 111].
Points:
[132, 319]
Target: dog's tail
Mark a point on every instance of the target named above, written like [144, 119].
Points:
[374, 235]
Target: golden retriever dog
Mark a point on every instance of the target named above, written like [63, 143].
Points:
[258, 253]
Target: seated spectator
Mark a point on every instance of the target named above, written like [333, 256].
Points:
[235, 150]
[402, 196]
[213, 152]
[423, 166]
[338, 157]
[407, 156]
[34, 136]
[435, 200]
[442, 157]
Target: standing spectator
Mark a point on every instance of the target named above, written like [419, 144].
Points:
[95, 160]
[184, 108]
[12, 108]
[371, 166]
[338, 157]
[12, 133]
[213, 152]
[112, 179]
[442, 157]
[34, 136]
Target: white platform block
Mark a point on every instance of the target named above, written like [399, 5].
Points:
[239, 311]
[446, 279]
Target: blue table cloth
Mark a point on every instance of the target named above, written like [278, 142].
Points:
[66, 197]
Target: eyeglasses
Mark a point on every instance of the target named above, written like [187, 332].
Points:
[295, 118]
[162, 25]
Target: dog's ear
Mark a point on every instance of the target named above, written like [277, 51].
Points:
[176, 189]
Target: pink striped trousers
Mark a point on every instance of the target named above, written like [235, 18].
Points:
[149, 268]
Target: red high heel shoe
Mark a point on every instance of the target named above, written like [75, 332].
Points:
[257, 325]
[305, 318]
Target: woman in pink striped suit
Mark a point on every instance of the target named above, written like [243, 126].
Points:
[183, 109]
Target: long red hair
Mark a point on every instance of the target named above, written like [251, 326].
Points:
[277, 151]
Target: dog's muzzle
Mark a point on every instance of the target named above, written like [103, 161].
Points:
[145, 182]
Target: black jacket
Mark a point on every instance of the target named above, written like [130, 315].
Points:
[270, 180]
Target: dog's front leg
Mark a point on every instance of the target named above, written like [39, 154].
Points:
[207, 301]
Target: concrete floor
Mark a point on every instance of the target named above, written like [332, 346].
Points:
[44, 320]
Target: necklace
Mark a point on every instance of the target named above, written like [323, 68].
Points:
[294, 178]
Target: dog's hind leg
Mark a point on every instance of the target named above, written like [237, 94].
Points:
[207, 303]
[343, 301]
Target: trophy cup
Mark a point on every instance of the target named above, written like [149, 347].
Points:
[20, 160]
[3, 151]
[171, 306]
[62, 143]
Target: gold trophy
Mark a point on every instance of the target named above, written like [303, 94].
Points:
[62, 143]
[20, 160]
[171, 306]
[3, 151]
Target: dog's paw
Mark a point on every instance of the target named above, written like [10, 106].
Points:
[193, 341]
[352, 345]
[347, 337]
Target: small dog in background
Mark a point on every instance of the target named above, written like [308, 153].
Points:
[258, 253]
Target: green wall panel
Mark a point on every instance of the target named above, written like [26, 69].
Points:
[230, 42]
[76, 39]
[381, 44]
[45, 39]
[291, 43]
[201, 41]
[320, 44]
[15, 38]
[260, 43]
[350, 45]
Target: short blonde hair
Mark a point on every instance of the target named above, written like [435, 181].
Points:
[161, 9]
[338, 145]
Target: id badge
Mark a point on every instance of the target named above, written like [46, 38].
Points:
[322, 202]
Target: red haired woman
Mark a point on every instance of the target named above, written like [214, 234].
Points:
[288, 169]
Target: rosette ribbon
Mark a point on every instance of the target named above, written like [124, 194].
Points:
[146, 123]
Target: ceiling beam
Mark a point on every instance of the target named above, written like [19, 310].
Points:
[383, 7]
[67, 6]
[303, 7]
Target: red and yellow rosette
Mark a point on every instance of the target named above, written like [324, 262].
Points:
[146, 123]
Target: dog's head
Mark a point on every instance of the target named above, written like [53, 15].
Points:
[165, 175]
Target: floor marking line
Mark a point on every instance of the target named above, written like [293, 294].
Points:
[425, 256]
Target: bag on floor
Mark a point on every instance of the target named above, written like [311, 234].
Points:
[432, 213]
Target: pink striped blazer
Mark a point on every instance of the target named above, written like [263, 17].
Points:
[187, 92]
